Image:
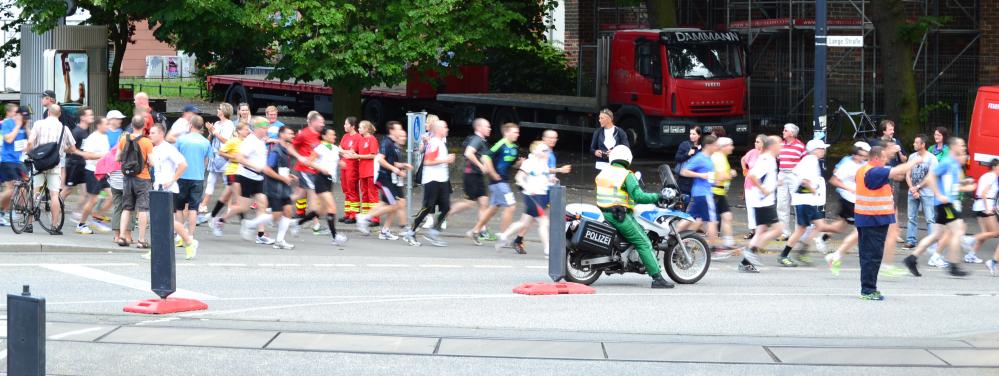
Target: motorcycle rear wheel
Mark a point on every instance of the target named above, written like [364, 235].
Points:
[577, 275]
[688, 271]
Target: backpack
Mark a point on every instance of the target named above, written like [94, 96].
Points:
[46, 156]
[132, 161]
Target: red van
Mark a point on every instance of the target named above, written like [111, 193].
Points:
[983, 141]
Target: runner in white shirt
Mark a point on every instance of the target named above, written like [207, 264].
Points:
[168, 165]
[94, 147]
[762, 199]
[845, 180]
[252, 158]
[534, 178]
[808, 200]
[985, 210]
[436, 186]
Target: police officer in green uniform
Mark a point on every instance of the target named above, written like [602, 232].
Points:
[617, 193]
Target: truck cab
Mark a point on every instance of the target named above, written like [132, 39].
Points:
[983, 138]
[663, 82]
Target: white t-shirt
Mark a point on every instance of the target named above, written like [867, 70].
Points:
[765, 170]
[328, 158]
[846, 171]
[609, 141]
[808, 168]
[255, 152]
[165, 159]
[226, 128]
[97, 142]
[436, 151]
[180, 127]
[538, 179]
[985, 200]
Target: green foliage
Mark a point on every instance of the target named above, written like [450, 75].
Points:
[925, 112]
[530, 67]
[912, 32]
[125, 107]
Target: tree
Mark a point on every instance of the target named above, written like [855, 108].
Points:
[662, 13]
[894, 34]
[349, 45]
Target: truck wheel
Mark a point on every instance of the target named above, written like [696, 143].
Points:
[238, 94]
[636, 136]
[374, 110]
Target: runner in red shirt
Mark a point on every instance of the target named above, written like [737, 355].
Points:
[301, 148]
[367, 149]
[349, 175]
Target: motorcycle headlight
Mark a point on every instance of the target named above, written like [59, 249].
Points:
[669, 193]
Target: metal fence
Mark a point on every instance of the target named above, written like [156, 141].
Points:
[164, 87]
[586, 69]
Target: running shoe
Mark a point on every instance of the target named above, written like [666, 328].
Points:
[972, 258]
[216, 226]
[363, 224]
[803, 258]
[434, 237]
[487, 235]
[264, 240]
[874, 296]
[83, 229]
[938, 262]
[782, 238]
[786, 262]
[748, 269]
[444, 225]
[820, 245]
[908, 246]
[100, 227]
[318, 230]
[283, 245]
[910, 263]
[720, 254]
[750, 255]
[101, 218]
[204, 218]
[991, 264]
[520, 248]
[386, 234]
[429, 222]
[501, 242]
[749, 235]
[410, 238]
[3, 220]
[476, 238]
[834, 263]
[956, 271]
[191, 250]
[891, 271]
[339, 240]
[178, 241]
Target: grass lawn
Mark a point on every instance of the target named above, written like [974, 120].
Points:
[164, 88]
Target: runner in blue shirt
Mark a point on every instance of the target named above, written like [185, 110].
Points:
[15, 138]
[702, 202]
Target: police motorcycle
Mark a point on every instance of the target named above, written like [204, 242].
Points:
[594, 247]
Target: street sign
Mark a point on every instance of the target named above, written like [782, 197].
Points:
[845, 40]
[414, 126]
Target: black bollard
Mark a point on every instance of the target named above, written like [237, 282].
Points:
[163, 267]
[556, 233]
[25, 334]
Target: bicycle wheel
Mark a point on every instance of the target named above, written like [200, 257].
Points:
[834, 128]
[20, 209]
[43, 213]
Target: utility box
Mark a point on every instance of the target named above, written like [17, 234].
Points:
[25, 334]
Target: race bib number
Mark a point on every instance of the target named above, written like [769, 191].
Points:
[19, 145]
[509, 198]
[283, 171]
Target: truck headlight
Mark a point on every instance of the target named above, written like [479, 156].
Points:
[742, 128]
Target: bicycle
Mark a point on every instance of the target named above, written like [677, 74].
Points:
[27, 204]
[864, 127]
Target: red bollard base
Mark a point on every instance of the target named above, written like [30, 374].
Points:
[547, 288]
[164, 306]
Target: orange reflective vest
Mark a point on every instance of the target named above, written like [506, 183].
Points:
[872, 202]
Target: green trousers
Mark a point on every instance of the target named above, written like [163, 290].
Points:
[633, 233]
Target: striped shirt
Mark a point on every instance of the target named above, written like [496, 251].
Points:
[790, 154]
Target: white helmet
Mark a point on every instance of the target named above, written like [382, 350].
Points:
[620, 153]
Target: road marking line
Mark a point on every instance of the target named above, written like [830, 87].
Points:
[286, 265]
[223, 264]
[3, 354]
[74, 332]
[120, 280]
[334, 265]
[440, 266]
[492, 266]
[99, 264]
[536, 267]
[244, 310]
[387, 265]
[277, 265]
[158, 320]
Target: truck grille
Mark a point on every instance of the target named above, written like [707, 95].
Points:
[711, 109]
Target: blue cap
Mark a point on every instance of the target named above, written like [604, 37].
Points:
[191, 108]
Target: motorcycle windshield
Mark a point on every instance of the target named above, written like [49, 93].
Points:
[666, 175]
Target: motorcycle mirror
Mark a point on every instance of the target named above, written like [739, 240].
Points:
[638, 175]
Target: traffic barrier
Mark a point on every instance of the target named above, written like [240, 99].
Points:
[556, 232]
[162, 263]
[25, 334]
[546, 288]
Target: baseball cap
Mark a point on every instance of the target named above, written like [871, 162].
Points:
[816, 144]
[862, 145]
[48, 93]
[261, 124]
[24, 111]
[723, 141]
[191, 108]
[115, 114]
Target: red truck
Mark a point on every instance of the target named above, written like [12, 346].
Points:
[983, 137]
[659, 83]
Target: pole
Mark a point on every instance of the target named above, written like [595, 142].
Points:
[163, 266]
[415, 124]
[819, 113]
[25, 334]
[556, 233]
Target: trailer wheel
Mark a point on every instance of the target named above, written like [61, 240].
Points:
[238, 94]
[374, 111]
[636, 136]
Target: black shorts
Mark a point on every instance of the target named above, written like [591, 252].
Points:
[766, 216]
[95, 186]
[230, 179]
[135, 196]
[10, 171]
[249, 187]
[277, 203]
[437, 194]
[189, 197]
[535, 205]
[322, 183]
[721, 205]
[390, 193]
[983, 214]
[76, 174]
[946, 214]
[804, 215]
[307, 180]
[846, 210]
[475, 186]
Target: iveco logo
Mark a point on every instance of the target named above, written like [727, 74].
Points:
[712, 84]
[599, 238]
[994, 106]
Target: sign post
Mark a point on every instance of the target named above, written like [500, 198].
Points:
[556, 233]
[415, 125]
[820, 106]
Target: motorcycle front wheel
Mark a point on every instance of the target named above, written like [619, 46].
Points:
[574, 272]
[687, 270]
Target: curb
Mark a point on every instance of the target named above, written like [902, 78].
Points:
[61, 248]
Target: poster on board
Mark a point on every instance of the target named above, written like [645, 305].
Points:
[66, 75]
